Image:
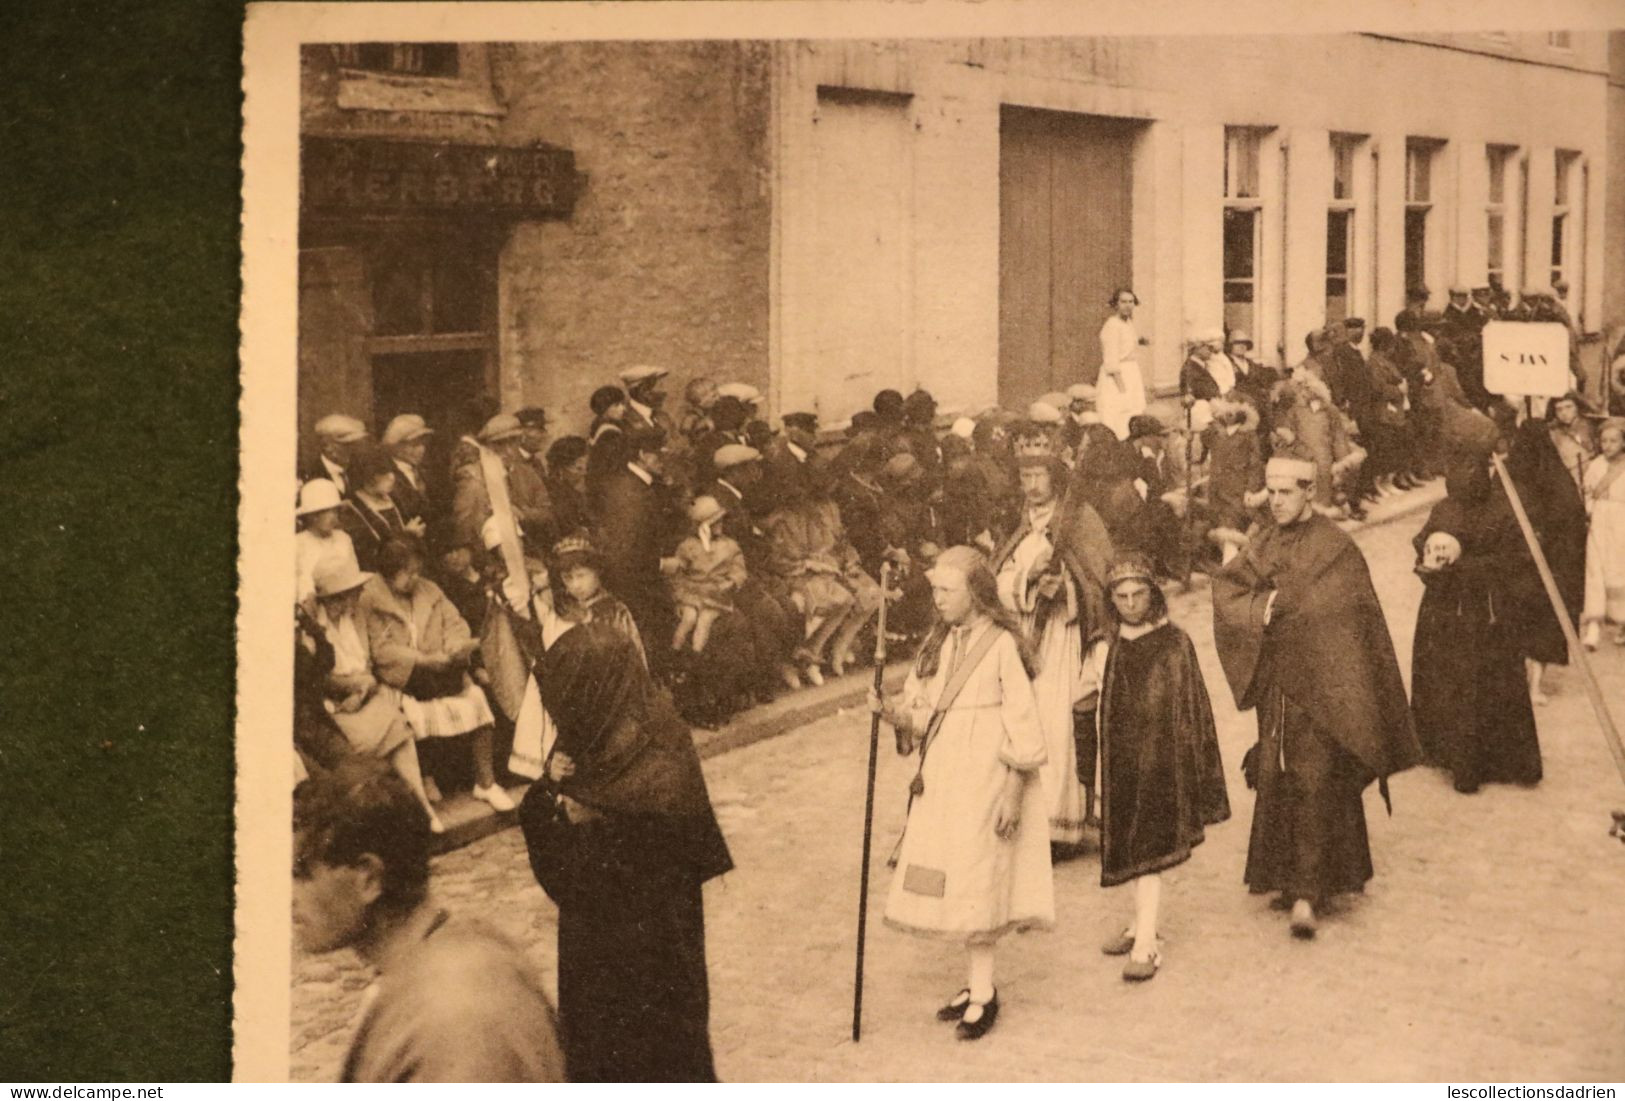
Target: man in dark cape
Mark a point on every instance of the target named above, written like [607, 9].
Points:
[1303, 640]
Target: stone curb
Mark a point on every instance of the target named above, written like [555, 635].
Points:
[468, 820]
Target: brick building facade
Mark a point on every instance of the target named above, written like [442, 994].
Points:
[823, 219]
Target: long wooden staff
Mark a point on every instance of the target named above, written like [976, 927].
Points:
[1598, 704]
[869, 803]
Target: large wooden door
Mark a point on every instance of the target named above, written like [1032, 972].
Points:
[1064, 244]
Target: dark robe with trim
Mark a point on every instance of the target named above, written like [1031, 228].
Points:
[1332, 712]
[1162, 781]
[1469, 695]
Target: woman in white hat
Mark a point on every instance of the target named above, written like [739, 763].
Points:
[321, 537]
[974, 862]
[707, 571]
[364, 708]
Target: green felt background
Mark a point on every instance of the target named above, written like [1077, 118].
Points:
[119, 201]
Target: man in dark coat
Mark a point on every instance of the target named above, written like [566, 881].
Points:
[728, 417]
[407, 439]
[764, 600]
[638, 529]
[1167, 546]
[920, 431]
[792, 458]
[1303, 640]
[336, 437]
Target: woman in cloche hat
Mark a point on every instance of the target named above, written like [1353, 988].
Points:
[365, 709]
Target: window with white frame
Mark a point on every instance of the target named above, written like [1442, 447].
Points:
[1495, 213]
[1562, 218]
[1420, 154]
[1340, 220]
[1243, 225]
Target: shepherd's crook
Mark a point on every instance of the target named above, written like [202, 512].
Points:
[1598, 704]
[869, 802]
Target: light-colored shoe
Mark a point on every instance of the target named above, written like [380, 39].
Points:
[495, 796]
[814, 675]
[792, 679]
[1593, 635]
[436, 826]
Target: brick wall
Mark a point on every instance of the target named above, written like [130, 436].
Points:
[666, 259]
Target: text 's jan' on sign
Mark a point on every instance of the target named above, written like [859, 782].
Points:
[1527, 358]
[370, 178]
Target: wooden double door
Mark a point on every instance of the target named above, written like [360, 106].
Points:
[1065, 218]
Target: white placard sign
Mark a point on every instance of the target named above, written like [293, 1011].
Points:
[1527, 358]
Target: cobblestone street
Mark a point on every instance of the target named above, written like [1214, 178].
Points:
[1489, 947]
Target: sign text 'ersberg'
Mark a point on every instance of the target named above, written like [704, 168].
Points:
[369, 177]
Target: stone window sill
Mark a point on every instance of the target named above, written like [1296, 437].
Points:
[367, 91]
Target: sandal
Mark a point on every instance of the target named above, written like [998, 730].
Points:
[955, 1009]
[1142, 970]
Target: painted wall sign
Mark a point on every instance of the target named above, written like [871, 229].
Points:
[372, 178]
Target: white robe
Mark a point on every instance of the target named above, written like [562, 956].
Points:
[1605, 545]
[1061, 682]
[1117, 399]
[956, 878]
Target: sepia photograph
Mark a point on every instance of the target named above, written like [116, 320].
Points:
[932, 543]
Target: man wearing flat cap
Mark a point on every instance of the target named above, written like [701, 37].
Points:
[1304, 642]
[639, 525]
[910, 523]
[1163, 493]
[764, 599]
[407, 440]
[792, 458]
[336, 437]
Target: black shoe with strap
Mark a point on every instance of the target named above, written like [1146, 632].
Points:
[955, 1009]
[975, 1030]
